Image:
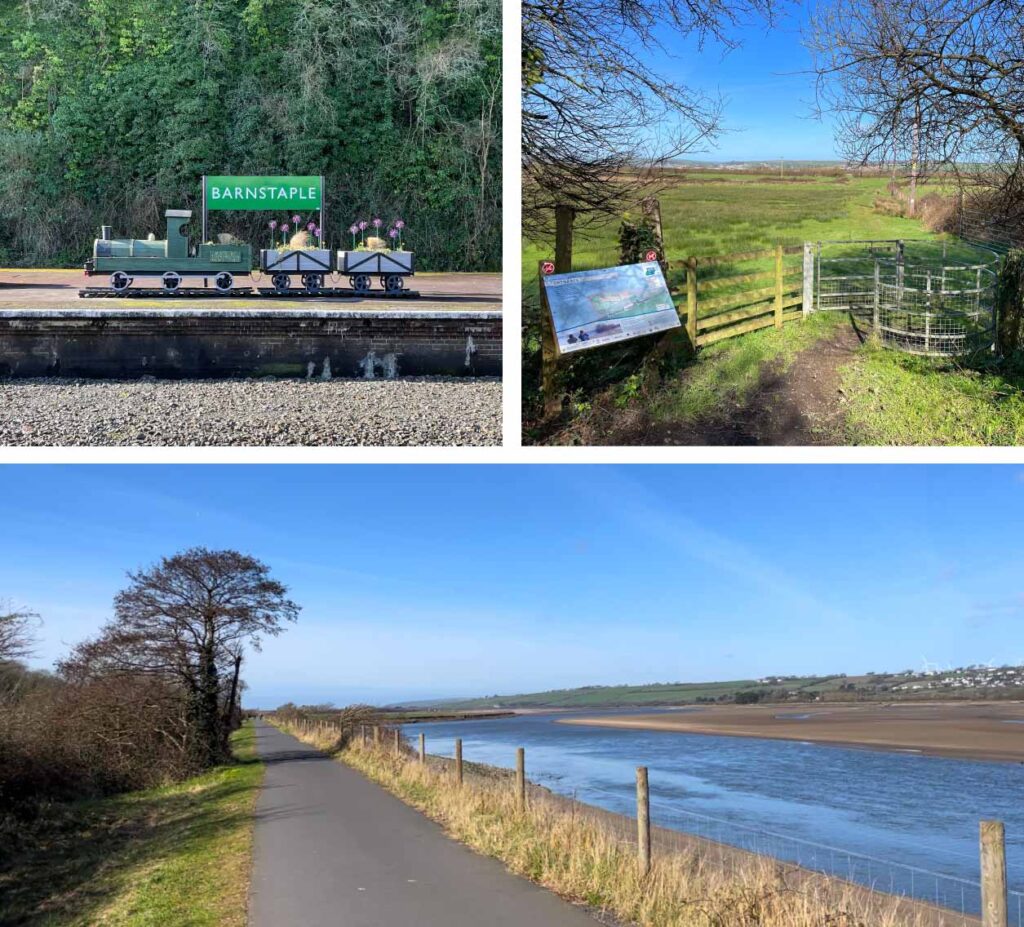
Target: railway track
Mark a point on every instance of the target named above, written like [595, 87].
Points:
[102, 292]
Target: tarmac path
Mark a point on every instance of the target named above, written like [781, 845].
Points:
[333, 848]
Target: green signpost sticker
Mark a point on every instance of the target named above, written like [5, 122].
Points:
[302, 193]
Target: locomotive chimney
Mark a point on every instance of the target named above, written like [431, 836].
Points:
[105, 232]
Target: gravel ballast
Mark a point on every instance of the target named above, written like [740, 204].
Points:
[167, 413]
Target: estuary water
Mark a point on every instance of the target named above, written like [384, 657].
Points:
[897, 821]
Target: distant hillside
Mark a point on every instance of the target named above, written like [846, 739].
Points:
[963, 682]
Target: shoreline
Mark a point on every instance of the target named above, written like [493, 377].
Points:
[954, 733]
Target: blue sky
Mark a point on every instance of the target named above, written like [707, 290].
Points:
[767, 89]
[446, 580]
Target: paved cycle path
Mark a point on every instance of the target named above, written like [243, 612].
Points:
[333, 848]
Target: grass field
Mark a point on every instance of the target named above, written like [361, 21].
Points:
[177, 856]
[710, 213]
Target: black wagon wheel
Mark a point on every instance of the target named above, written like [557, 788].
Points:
[361, 283]
[282, 282]
[393, 283]
[313, 282]
[224, 281]
[120, 281]
[171, 280]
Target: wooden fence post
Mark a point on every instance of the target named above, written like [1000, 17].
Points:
[458, 760]
[423, 748]
[643, 820]
[993, 874]
[808, 306]
[778, 286]
[398, 742]
[548, 352]
[651, 208]
[520, 779]
[691, 300]
[376, 735]
[362, 735]
[565, 216]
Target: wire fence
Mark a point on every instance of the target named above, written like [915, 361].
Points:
[996, 232]
[921, 297]
[956, 900]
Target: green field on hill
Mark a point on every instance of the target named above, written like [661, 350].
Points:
[837, 687]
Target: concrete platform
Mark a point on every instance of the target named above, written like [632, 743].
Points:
[47, 330]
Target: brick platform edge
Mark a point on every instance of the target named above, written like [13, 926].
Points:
[179, 343]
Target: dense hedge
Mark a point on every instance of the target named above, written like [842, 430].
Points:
[111, 110]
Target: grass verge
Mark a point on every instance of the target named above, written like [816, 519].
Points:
[178, 855]
[582, 859]
[730, 370]
[900, 399]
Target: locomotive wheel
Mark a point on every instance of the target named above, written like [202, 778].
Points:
[361, 283]
[120, 281]
[393, 283]
[171, 280]
[312, 282]
[281, 282]
[224, 281]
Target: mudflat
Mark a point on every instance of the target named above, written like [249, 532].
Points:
[968, 730]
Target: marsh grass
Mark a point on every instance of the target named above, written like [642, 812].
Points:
[177, 856]
[583, 858]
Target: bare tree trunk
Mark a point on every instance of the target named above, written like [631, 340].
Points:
[231, 711]
[915, 159]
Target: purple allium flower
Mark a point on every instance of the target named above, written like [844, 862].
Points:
[377, 223]
[353, 228]
[392, 233]
[315, 230]
[399, 223]
[310, 226]
[296, 220]
[284, 228]
[272, 223]
[362, 226]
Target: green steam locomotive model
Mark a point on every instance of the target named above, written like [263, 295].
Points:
[171, 259]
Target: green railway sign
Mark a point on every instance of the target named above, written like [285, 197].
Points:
[301, 193]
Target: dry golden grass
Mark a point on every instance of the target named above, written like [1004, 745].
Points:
[583, 859]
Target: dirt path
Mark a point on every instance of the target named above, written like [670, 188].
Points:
[801, 405]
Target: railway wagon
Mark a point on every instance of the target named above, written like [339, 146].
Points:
[390, 267]
[169, 259]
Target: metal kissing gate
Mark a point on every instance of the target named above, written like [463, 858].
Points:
[923, 297]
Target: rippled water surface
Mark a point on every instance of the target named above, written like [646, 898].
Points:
[918, 811]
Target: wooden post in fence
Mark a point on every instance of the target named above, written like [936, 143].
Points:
[398, 742]
[458, 760]
[691, 300]
[565, 217]
[520, 779]
[993, 874]
[548, 352]
[651, 208]
[423, 748]
[808, 306]
[376, 735]
[778, 286]
[643, 820]
[362, 735]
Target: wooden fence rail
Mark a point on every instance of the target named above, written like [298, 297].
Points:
[713, 313]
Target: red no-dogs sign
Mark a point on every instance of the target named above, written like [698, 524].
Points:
[651, 256]
[548, 267]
